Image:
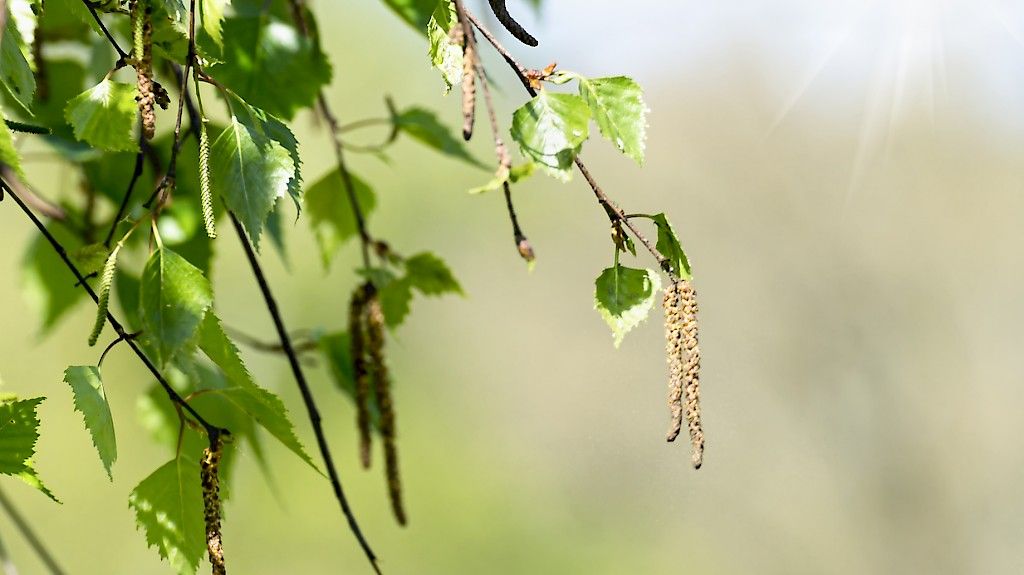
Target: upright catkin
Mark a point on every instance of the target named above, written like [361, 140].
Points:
[205, 190]
[468, 85]
[683, 351]
[360, 371]
[209, 467]
[382, 389]
[142, 28]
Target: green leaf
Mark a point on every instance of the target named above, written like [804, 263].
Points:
[512, 176]
[330, 212]
[445, 54]
[271, 65]
[8, 153]
[624, 297]
[211, 17]
[15, 72]
[91, 400]
[423, 126]
[19, 431]
[250, 170]
[618, 107]
[175, 297]
[669, 246]
[169, 509]
[266, 408]
[430, 275]
[47, 285]
[104, 116]
[395, 298]
[415, 12]
[551, 129]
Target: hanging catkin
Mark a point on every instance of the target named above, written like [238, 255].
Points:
[382, 389]
[106, 280]
[360, 371]
[468, 85]
[683, 351]
[209, 467]
[142, 27]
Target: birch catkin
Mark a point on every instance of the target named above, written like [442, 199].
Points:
[468, 85]
[382, 389]
[142, 27]
[361, 374]
[209, 467]
[683, 351]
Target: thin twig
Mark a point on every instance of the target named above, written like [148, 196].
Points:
[346, 177]
[307, 395]
[121, 54]
[136, 174]
[26, 531]
[615, 213]
[116, 325]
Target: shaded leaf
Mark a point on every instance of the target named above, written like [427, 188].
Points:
[331, 214]
[624, 297]
[430, 275]
[551, 129]
[15, 72]
[414, 12]
[423, 126]
[669, 246]
[91, 401]
[47, 285]
[169, 509]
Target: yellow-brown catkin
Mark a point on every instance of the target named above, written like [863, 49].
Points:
[360, 370]
[142, 18]
[209, 466]
[683, 351]
[382, 389]
[468, 86]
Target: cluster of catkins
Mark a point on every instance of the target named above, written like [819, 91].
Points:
[683, 352]
[209, 467]
[151, 93]
[373, 386]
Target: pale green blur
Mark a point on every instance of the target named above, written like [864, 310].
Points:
[860, 316]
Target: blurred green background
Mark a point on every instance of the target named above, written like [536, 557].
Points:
[846, 177]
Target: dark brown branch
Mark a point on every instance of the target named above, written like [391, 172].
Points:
[510, 24]
[30, 536]
[116, 325]
[615, 214]
[121, 54]
[307, 395]
[123, 208]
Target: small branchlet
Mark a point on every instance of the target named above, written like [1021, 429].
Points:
[513, 27]
[683, 351]
[360, 369]
[209, 467]
[382, 389]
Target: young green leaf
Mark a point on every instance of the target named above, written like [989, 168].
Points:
[250, 170]
[395, 300]
[430, 275]
[624, 296]
[169, 509]
[618, 107]
[446, 52]
[330, 213]
[91, 401]
[271, 65]
[415, 12]
[423, 126]
[106, 281]
[211, 17]
[15, 72]
[551, 129]
[175, 297]
[669, 246]
[104, 116]
[19, 431]
[266, 408]
[512, 176]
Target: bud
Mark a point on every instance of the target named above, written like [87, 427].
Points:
[526, 250]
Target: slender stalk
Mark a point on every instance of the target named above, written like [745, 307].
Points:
[121, 54]
[346, 178]
[307, 395]
[30, 536]
[211, 429]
